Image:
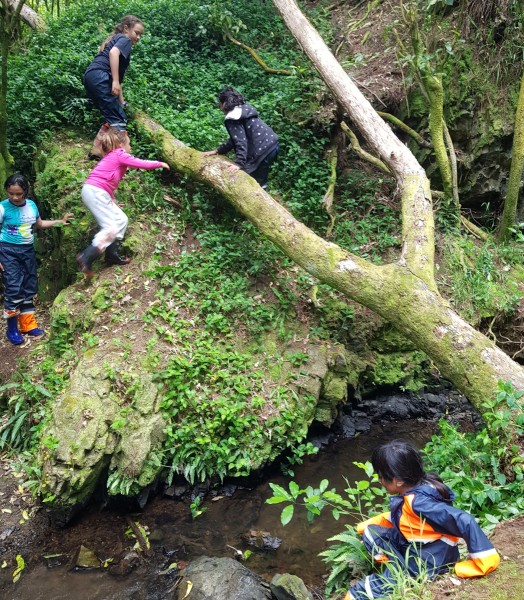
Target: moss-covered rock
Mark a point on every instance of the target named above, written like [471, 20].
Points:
[102, 422]
[289, 587]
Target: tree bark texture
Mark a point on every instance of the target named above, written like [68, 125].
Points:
[417, 212]
[463, 355]
[509, 213]
[435, 91]
[28, 15]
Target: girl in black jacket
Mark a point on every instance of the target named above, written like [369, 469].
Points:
[254, 142]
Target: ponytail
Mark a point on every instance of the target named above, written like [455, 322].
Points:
[439, 485]
[128, 21]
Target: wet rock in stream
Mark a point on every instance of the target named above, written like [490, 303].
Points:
[289, 587]
[362, 414]
[261, 540]
[218, 578]
[86, 559]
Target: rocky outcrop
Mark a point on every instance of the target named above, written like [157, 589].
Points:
[108, 422]
[117, 335]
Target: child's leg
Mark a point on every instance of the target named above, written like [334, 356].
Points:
[111, 218]
[26, 320]
[261, 173]
[98, 88]
[432, 558]
[13, 277]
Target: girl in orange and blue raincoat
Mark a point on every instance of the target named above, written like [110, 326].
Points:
[422, 530]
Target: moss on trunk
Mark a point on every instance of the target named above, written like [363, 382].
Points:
[464, 356]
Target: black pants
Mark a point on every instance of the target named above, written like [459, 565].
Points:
[261, 173]
[19, 275]
[98, 88]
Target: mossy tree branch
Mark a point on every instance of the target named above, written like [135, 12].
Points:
[405, 128]
[257, 57]
[432, 89]
[417, 214]
[463, 355]
[433, 85]
[359, 151]
[509, 214]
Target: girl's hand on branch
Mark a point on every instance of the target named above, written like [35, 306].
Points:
[209, 153]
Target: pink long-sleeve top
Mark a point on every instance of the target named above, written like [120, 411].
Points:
[109, 171]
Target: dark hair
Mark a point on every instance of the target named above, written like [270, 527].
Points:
[400, 460]
[128, 21]
[229, 98]
[17, 179]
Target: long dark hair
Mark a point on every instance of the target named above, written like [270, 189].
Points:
[128, 21]
[229, 98]
[400, 460]
[17, 179]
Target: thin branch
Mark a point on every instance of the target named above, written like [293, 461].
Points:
[257, 57]
[405, 128]
[453, 164]
[327, 200]
[357, 148]
[360, 84]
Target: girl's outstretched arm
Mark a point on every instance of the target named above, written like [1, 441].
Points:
[129, 160]
[45, 224]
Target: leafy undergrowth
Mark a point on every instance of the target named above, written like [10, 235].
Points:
[483, 279]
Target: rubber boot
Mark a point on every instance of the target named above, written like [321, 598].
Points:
[112, 256]
[28, 325]
[96, 151]
[13, 335]
[86, 259]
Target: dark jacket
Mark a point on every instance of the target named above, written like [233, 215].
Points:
[101, 60]
[250, 138]
[422, 515]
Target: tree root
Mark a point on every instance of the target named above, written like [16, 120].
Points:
[474, 230]
[361, 152]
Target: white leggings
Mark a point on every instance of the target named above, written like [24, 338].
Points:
[110, 217]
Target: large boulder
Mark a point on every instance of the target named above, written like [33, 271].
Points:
[218, 578]
[107, 421]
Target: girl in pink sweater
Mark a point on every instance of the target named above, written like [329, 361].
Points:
[98, 194]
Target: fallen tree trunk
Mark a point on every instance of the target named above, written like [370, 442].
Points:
[463, 355]
[417, 211]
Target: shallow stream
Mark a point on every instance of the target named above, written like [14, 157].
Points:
[176, 537]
